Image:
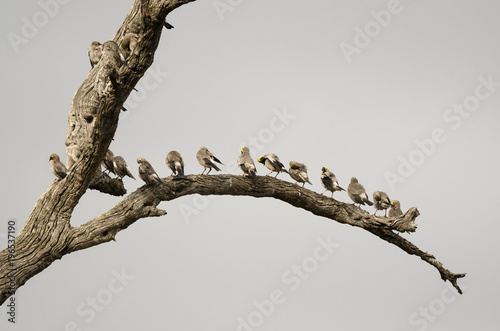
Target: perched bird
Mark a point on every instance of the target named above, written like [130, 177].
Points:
[298, 172]
[57, 167]
[246, 163]
[329, 181]
[168, 25]
[175, 163]
[74, 153]
[146, 172]
[108, 163]
[111, 54]
[395, 210]
[107, 77]
[272, 162]
[207, 160]
[121, 168]
[357, 193]
[129, 42]
[95, 53]
[381, 201]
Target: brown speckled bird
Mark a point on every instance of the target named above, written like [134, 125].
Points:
[57, 167]
[95, 53]
[329, 181]
[121, 168]
[174, 161]
[395, 210]
[381, 202]
[146, 172]
[246, 163]
[111, 54]
[107, 162]
[273, 163]
[207, 160]
[298, 172]
[357, 193]
[129, 42]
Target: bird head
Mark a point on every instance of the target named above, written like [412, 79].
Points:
[261, 159]
[354, 180]
[395, 203]
[324, 169]
[53, 157]
[139, 160]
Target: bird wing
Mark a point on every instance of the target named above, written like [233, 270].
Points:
[216, 159]
[129, 173]
[209, 163]
[179, 167]
[60, 170]
[327, 182]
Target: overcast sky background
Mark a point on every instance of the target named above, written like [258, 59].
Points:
[221, 77]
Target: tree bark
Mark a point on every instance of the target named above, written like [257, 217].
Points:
[93, 118]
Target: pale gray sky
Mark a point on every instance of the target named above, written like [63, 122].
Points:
[356, 86]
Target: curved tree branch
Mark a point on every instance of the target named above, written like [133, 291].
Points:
[143, 202]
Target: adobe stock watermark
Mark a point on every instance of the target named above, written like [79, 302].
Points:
[371, 30]
[454, 117]
[222, 7]
[96, 304]
[292, 279]
[436, 307]
[257, 143]
[11, 265]
[153, 78]
[32, 25]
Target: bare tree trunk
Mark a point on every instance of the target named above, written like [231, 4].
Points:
[93, 118]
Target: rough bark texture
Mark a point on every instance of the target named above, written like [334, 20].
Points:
[93, 118]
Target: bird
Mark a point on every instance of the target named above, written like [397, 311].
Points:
[111, 54]
[121, 168]
[207, 160]
[175, 163]
[298, 172]
[272, 162]
[395, 210]
[381, 201]
[107, 77]
[107, 162]
[57, 167]
[129, 42]
[74, 153]
[329, 181]
[357, 193]
[167, 25]
[95, 53]
[146, 172]
[246, 163]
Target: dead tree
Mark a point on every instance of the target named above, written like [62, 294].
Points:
[47, 234]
